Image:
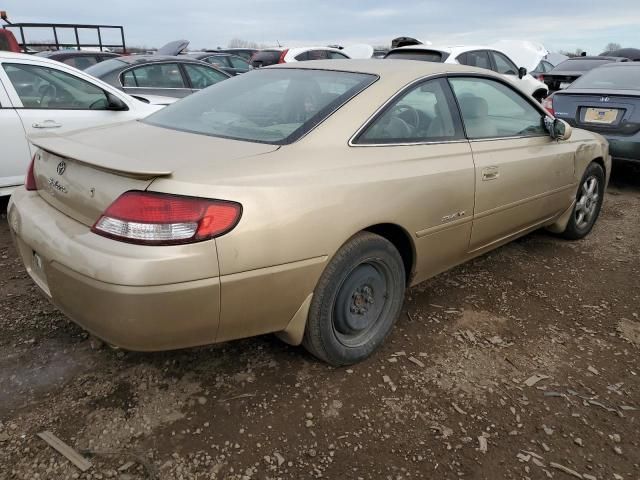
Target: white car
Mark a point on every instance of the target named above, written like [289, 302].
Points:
[271, 56]
[39, 95]
[488, 57]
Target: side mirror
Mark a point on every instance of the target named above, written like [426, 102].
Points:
[115, 104]
[522, 72]
[560, 130]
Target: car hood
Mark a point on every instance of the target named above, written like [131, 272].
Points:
[136, 149]
[524, 53]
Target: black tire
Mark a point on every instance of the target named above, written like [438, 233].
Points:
[356, 302]
[589, 206]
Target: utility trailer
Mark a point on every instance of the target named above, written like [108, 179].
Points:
[19, 33]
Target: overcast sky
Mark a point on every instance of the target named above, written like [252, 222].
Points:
[558, 24]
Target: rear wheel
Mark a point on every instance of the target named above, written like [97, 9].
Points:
[588, 203]
[356, 301]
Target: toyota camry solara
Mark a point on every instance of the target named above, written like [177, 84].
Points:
[300, 200]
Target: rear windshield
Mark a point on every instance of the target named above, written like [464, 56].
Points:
[612, 78]
[418, 54]
[100, 69]
[578, 65]
[266, 58]
[275, 106]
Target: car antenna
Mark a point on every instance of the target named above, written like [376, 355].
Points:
[278, 42]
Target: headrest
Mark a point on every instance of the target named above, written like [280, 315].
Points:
[473, 107]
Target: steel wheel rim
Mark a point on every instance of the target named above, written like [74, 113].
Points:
[362, 302]
[587, 202]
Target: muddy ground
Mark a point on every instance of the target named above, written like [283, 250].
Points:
[521, 364]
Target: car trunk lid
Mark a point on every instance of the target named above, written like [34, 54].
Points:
[616, 112]
[81, 173]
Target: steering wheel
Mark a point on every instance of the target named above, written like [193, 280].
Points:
[47, 92]
[408, 114]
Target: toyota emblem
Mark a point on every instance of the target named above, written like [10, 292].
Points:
[61, 168]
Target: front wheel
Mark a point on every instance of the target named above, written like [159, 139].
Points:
[588, 203]
[357, 301]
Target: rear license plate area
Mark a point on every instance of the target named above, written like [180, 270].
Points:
[601, 116]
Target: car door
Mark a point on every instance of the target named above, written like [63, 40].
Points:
[201, 76]
[523, 177]
[15, 149]
[158, 78]
[51, 99]
[419, 136]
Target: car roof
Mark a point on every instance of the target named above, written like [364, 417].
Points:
[24, 56]
[137, 59]
[446, 48]
[620, 64]
[389, 67]
[596, 57]
[77, 53]
[209, 54]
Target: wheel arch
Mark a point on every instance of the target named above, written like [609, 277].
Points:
[401, 239]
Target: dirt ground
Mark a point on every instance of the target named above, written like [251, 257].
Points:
[521, 364]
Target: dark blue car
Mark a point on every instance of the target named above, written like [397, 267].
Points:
[605, 100]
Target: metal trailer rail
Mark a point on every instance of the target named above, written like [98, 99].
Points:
[18, 29]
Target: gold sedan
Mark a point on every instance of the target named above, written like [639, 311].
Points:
[300, 200]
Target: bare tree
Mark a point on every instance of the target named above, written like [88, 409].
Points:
[241, 43]
[612, 46]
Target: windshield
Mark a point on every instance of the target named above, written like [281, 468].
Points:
[100, 69]
[275, 106]
[612, 78]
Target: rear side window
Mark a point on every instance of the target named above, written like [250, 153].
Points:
[266, 58]
[336, 55]
[318, 55]
[202, 77]
[157, 75]
[217, 60]
[418, 54]
[503, 64]
[275, 106]
[479, 58]
[237, 62]
[426, 113]
[81, 63]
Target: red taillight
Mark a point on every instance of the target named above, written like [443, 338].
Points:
[547, 104]
[30, 179]
[162, 219]
[282, 55]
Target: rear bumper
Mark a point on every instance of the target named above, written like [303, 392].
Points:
[133, 298]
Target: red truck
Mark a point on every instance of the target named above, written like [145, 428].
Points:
[8, 42]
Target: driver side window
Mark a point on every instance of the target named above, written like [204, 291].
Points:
[423, 114]
[48, 88]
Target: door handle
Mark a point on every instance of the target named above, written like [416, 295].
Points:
[490, 173]
[47, 124]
